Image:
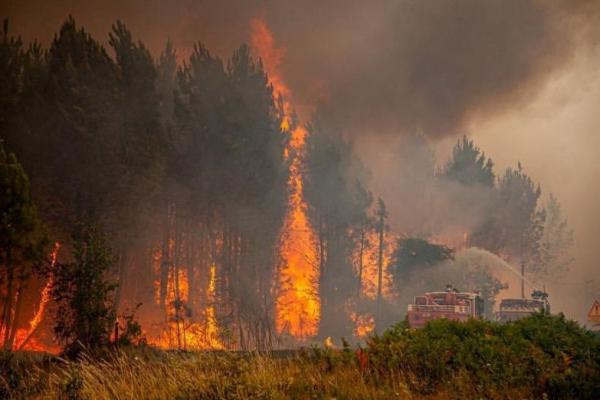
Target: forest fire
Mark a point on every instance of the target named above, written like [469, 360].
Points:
[369, 274]
[263, 199]
[364, 325]
[25, 338]
[179, 330]
[297, 303]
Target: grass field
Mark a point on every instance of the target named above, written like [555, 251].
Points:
[542, 357]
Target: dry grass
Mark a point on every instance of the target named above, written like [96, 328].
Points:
[538, 357]
[170, 375]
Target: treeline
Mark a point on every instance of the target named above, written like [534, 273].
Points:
[466, 204]
[180, 166]
[170, 177]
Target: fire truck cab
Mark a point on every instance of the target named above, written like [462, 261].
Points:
[449, 304]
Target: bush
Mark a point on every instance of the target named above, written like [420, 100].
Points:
[540, 355]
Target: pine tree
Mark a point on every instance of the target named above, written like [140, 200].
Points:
[469, 166]
[518, 217]
[23, 242]
[467, 187]
[12, 59]
[381, 215]
[82, 96]
[84, 315]
[135, 197]
[412, 255]
[556, 243]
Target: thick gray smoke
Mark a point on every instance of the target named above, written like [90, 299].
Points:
[385, 65]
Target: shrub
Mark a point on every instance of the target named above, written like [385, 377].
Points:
[541, 354]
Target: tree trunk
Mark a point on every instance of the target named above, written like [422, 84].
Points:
[16, 319]
[123, 259]
[166, 261]
[8, 305]
[360, 260]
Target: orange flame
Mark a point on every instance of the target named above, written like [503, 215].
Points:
[369, 278]
[212, 328]
[364, 325]
[297, 305]
[25, 338]
[181, 330]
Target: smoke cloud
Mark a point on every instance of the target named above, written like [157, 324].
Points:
[386, 65]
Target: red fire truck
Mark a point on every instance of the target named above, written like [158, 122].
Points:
[449, 304]
[515, 309]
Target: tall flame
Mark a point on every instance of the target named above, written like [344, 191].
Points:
[25, 338]
[364, 323]
[212, 327]
[182, 329]
[297, 304]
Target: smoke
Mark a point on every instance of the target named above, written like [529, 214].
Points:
[387, 65]
[472, 269]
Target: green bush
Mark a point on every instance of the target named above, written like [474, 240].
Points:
[540, 355]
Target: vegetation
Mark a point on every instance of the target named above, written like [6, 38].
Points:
[418, 266]
[22, 243]
[182, 167]
[167, 182]
[84, 314]
[412, 254]
[338, 204]
[538, 357]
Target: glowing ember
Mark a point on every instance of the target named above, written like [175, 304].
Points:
[297, 304]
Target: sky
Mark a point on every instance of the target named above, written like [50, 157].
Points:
[519, 77]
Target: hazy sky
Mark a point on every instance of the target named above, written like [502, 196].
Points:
[521, 77]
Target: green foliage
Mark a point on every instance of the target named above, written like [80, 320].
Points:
[418, 266]
[22, 237]
[538, 357]
[521, 226]
[192, 157]
[84, 316]
[23, 241]
[412, 254]
[153, 152]
[541, 355]
[504, 216]
[469, 165]
[12, 56]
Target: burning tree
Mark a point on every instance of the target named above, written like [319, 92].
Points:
[297, 305]
[234, 223]
[337, 206]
